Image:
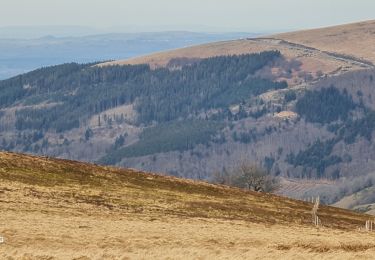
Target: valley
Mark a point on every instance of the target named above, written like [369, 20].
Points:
[301, 107]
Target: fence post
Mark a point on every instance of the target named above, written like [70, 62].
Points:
[315, 218]
[369, 225]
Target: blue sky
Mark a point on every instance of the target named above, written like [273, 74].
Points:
[194, 15]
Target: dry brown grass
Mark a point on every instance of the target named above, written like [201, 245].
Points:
[316, 49]
[357, 39]
[312, 60]
[63, 236]
[56, 209]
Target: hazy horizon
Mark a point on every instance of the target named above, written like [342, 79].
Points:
[95, 16]
[61, 31]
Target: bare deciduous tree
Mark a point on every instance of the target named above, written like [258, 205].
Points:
[252, 177]
[248, 176]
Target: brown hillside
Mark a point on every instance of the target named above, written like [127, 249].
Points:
[329, 50]
[357, 39]
[58, 209]
[312, 60]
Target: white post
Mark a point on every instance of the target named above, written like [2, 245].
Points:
[315, 218]
[368, 225]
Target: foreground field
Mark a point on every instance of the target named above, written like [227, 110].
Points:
[61, 235]
[55, 209]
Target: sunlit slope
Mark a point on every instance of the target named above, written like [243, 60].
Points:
[58, 209]
[356, 39]
[329, 50]
[361, 201]
[81, 186]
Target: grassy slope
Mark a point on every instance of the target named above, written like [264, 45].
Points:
[312, 61]
[357, 201]
[353, 40]
[356, 39]
[65, 209]
[130, 191]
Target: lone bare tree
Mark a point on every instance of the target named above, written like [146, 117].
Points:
[252, 177]
[248, 176]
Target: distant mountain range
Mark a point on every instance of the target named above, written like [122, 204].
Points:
[20, 55]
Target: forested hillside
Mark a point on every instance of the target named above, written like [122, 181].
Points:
[177, 108]
[80, 91]
[196, 117]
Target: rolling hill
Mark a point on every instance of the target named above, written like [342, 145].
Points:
[59, 209]
[361, 201]
[329, 50]
[355, 40]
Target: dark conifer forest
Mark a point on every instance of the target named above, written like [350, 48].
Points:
[160, 95]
